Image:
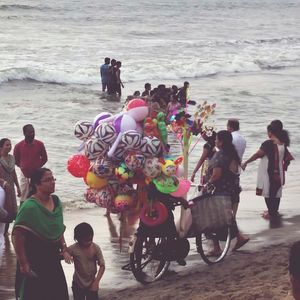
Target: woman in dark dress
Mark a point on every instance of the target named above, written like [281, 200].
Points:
[39, 242]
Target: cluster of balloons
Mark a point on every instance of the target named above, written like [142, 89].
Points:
[122, 151]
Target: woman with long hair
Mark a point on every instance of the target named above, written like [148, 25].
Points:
[38, 238]
[275, 158]
[222, 175]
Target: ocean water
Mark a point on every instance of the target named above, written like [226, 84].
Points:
[242, 55]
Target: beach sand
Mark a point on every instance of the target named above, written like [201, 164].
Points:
[259, 270]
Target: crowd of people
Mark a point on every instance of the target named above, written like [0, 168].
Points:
[38, 230]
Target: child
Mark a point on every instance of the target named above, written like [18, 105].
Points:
[85, 255]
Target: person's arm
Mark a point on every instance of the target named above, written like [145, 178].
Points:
[64, 250]
[216, 175]
[17, 156]
[16, 183]
[18, 239]
[259, 154]
[44, 155]
[200, 162]
[95, 285]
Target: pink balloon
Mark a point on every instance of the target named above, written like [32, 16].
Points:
[183, 188]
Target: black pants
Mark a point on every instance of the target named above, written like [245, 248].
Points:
[273, 206]
[83, 294]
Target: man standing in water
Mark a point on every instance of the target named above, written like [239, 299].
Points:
[30, 155]
[239, 142]
[104, 73]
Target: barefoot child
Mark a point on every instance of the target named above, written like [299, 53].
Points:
[86, 255]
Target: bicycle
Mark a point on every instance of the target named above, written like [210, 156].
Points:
[150, 256]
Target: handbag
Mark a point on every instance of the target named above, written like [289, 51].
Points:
[211, 212]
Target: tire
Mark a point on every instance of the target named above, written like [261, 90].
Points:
[204, 244]
[147, 261]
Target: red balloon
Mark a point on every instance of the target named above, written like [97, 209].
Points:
[155, 214]
[78, 165]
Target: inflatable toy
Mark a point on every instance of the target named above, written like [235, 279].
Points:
[123, 173]
[151, 146]
[137, 109]
[95, 182]
[101, 117]
[104, 167]
[150, 128]
[166, 184]
[134, 160]
[83, 130]
[152, 167]
[106, 133]
[132, 139]
[162, 127]
[95, 148]
[154, 214]
[123, 202]
[121, 124]
[183, 188]
[78, 165]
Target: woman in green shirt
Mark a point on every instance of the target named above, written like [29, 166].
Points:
[39, 242]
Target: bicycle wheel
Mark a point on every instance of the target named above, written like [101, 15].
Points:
[205, 243]
[148, 262]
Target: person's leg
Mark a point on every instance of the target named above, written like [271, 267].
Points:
[6, 228]
[78, 292]
[272, 205]
[24, 187]
[103, 87]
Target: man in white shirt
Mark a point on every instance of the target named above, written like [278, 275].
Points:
[239, 142]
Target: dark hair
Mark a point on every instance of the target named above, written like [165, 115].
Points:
[234, 124]
[35, 179]
[119, 63]
[147, 85]
[2, 142]
[136, 93]
[276, 128]
[113, 62]
[211, 139]
[186, 83]
[107, 60]
[82, 231]
[25, 127]
[294, 260]
[226, 138]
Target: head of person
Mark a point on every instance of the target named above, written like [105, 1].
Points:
[5, 146]
[42, 181]
[294, 269]
[233, 125]
[186, 84]
[83, 234]
[275, 129]
[113, 62]
[119, 64]
[174, 89]
[29, 133]
[209, 137]
[107, 60]
[147, 86]
[224, 142]
[136, 93]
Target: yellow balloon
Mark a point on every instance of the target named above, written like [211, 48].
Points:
[95, 182]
